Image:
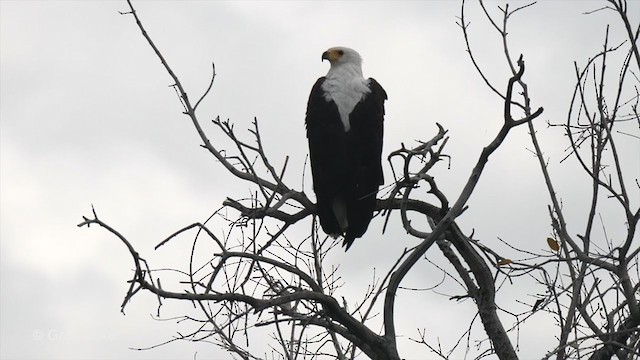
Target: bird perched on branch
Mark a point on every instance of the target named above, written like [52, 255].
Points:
[344, 122]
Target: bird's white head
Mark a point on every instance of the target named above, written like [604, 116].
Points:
[342, 55]
[343, 58]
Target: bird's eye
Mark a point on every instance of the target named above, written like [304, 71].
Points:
[340, 52]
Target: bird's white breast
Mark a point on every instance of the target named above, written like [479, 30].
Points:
[346, 93]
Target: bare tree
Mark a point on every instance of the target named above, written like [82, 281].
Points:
[600, 317]
[259, 278]
[591, 279]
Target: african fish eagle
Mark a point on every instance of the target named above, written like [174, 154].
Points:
[344, 122]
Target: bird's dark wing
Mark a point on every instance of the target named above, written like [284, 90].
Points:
[365, 148]
[327, 142]
[366, 138]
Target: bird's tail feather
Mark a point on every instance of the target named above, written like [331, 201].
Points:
[348, 241]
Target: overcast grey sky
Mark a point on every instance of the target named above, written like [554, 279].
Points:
[87, 117]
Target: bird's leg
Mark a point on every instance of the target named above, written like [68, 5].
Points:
[340, 212]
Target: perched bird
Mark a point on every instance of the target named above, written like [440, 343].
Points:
[345, 115]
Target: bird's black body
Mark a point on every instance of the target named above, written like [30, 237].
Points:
[346, 165]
